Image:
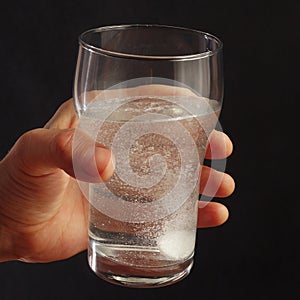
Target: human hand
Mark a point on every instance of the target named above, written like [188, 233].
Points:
[44, 215]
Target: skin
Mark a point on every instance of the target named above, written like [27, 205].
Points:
[44, 215]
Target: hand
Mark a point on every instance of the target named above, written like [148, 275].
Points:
[43, 214]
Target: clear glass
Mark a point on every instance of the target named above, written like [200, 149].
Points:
[152, 94]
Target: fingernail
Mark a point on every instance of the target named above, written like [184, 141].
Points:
[108, 171]
[89, 163]
[97, 163]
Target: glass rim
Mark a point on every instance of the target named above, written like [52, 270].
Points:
[99, 50]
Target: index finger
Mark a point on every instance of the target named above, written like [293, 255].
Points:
[219, 145]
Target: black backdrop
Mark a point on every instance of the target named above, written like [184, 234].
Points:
[253, 255]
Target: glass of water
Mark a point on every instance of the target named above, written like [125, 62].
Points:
[152, 94]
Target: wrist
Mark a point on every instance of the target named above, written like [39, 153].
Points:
[6, 252]
[6, 236]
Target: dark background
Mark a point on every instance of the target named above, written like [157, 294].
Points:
[254, 254]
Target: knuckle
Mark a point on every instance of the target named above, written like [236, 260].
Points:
[62, 145]
[64, 117]
[21, 152]
[27, 139]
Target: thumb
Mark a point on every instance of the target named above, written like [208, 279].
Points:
[42, 151]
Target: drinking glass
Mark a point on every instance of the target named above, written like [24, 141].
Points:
[152, 94]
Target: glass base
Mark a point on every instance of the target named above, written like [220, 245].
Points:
[138, 277]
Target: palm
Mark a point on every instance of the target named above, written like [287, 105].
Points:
[63, 231]
[55, 227]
